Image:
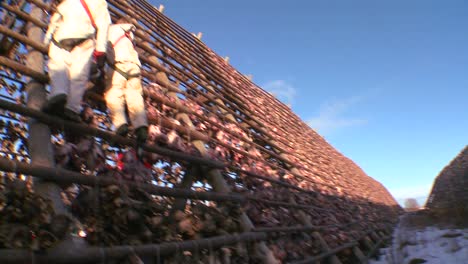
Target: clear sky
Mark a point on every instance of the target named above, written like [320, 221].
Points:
[385, 82]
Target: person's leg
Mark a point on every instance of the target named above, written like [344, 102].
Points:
[80, 60]
[59, 82]
[115, 100]
[135, 102]
[136, 105]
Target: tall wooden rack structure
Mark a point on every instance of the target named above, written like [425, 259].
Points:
[241, 178]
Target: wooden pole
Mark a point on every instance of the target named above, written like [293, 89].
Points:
[39, 141]
[216, 179]
[107, 254]
[40, 146]
[358, 253]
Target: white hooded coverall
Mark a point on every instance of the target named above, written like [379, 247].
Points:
[124, 89]
[69, 70]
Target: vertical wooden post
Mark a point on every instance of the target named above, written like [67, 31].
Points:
[374, 237]
[39, 143]
[216, 180]
[382, 234]
[187, 182]
[306, 220]
[219, 184]
[40, 146]
[358, 253]
[316, 235]
[333, 259]
[368, 243]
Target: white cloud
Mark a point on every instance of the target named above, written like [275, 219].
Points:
[282, 90]
[331, 115]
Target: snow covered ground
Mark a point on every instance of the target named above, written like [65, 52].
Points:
[413, 244]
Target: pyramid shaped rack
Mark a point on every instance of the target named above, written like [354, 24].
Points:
[449, 192]
[231, 174]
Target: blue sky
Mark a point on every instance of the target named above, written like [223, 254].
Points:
[385, 82]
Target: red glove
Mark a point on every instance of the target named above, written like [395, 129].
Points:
[120, 163]
[99, 58]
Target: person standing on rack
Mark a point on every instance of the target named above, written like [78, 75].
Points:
[124, 82]
[77, 35]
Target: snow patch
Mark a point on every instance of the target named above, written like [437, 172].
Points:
[430, 245]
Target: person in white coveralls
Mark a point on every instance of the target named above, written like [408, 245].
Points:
[76, 35]
[124, 81]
